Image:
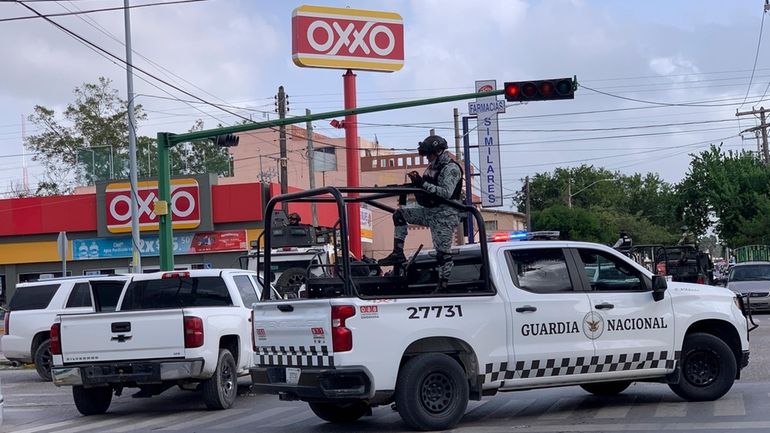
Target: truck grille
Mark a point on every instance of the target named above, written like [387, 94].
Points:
[758, 294]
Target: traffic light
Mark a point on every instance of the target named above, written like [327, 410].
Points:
[540, 90]
[227, 140]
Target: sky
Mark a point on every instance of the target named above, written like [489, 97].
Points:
[658, 80]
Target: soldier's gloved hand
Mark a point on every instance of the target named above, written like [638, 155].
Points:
[416, 179]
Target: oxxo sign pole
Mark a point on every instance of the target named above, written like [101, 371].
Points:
[352, 158]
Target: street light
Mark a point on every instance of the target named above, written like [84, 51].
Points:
[569, 189]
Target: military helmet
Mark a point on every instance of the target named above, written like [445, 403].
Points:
[434, 144]
[294, 216]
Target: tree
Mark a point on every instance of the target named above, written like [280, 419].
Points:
[729, 192]
[90, 143]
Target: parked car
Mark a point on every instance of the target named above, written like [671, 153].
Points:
[752, 279]
[35, 305]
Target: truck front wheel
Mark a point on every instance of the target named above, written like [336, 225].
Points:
[220, 390]
[339, 413]
[92, 401]
[707, 368]
[432, 392]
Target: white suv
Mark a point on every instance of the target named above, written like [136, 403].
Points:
[35, 305]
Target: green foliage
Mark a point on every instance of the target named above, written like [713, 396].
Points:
[90, 143]
[642, 205]
[729, 191]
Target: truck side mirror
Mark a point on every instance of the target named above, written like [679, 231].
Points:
[659, 286]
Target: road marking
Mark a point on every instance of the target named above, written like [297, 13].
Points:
[155, 420]
[303, 415]
[195, 422]
[45, 427]
[671, 410]
[615, 411]
[257, 416]
[730, 405]
[562, 409]
[87, 423]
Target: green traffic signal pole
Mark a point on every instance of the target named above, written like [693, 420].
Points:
[168, 140]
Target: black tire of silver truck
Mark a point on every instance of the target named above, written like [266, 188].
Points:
[92, 401]
[707, 368]
[220, 390]
[432, 392]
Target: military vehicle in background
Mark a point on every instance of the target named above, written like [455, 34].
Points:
[683, 263]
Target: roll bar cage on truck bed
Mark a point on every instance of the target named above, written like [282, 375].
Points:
[344, 283]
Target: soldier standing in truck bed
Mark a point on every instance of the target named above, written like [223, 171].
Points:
[442, 178]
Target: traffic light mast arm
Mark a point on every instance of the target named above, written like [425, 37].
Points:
[174, 139]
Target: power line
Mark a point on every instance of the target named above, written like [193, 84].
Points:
[756, 55]
[89, 11]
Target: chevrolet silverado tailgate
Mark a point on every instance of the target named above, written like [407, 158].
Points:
[122, 336]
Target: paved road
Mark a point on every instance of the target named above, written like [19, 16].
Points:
[34, 406]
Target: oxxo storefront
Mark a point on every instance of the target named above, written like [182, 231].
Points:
[213, 225]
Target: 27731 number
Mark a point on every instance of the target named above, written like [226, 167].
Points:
[435, 311]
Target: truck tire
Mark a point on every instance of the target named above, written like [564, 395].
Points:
[431, 392]
[339, 413]
[220, 390]
[707, 368]
[43, 360]
[92, 401]
[606, 388]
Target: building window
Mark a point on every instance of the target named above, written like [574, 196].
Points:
[391, 163]
[400, 162]
[374, 163]
[491, 226]
[409, 161]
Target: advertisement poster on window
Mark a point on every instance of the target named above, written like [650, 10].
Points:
[183, 243]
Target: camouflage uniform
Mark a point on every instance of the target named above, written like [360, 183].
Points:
[442, 219]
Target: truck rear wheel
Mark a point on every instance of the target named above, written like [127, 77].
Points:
[432, 392]
[92, 401]
[606, 388]
[220, 390]
[339, 413]
[707, 368]
[43, 360]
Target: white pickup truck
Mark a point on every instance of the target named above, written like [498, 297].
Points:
[516, 316]
[189, 329]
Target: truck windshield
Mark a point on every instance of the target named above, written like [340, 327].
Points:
[176, 293]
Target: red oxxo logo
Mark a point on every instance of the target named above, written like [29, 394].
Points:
[369, 309]
[184, 205]
[261, 334]
[317, 332]
[344, 38]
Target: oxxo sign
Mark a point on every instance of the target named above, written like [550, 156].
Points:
[340, 38]
[184, 206]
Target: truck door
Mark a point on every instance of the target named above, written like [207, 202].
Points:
[548, 307]
[633, 334]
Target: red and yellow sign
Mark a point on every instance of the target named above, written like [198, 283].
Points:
[185, 205]
[341, 38]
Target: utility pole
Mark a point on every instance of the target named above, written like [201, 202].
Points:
[762, 127]
[458, 137]
[136, 255]
[529, 213]
[311, 166]
[281, 108]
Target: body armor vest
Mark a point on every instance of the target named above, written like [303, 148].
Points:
[427, 199]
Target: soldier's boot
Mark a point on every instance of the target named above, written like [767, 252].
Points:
[442, 286]
[396, 257]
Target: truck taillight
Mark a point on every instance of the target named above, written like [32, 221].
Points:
[175, 275]
[7, 323]
[193, 332]
[700, 280]
[342, 337]
[56, 339]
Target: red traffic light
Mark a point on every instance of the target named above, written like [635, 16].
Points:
[512, 91]
[540, 90]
